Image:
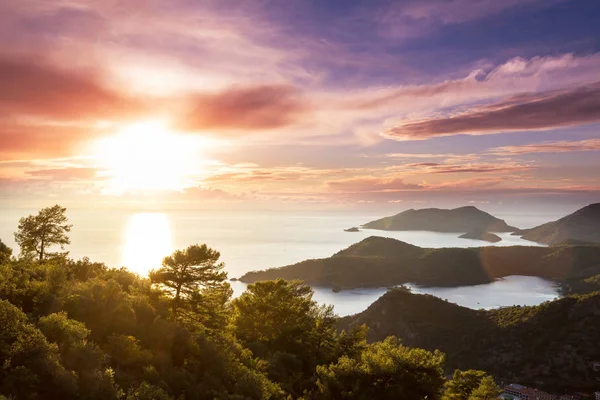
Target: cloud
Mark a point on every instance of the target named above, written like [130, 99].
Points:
[369, 184]
[569, 107]
[472, 184]
[249, 108]
[549, 147]
[476, 168]
[415, 18]
[35, 88]
[65, 174]
[24, 141]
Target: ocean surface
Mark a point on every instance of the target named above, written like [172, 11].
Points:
[251, 241]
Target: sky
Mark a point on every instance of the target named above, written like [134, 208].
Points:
[319, 104]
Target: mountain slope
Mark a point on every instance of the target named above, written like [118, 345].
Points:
[463, 219]
[551, 345]
[379, 262]
[584, 224]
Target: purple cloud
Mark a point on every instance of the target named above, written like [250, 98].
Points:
[549, 110]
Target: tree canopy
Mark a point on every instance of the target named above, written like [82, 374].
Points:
[186, 272]
[384, 370]
[5, 252]
[36, 233]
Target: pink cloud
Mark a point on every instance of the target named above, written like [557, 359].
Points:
[246, 108]
[368, 184]
[549, 147]
[65, 174]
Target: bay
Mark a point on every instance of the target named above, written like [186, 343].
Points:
[252, 241]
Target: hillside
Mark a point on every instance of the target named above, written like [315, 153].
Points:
[463, 219]
[378, 262]
[584, 224]
[523, 344]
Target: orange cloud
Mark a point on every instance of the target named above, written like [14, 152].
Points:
[21, 141]
[34, 88]
[435, 168]
[247, 108]
[357, 185]
[65, 174]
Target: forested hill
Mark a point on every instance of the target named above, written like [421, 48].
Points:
[377, 262]
[552, 345]
[462, 219]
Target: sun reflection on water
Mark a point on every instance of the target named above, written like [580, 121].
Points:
[147, 241]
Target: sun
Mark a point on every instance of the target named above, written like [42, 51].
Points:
[148, 156]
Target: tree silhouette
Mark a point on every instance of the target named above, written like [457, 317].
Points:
[186, 272]
[38, 232]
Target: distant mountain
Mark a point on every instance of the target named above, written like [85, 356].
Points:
[481, 235]
[380, 262]
[463, 219]
[552, 345]
[583, 224]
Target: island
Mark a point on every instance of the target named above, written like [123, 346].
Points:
[463, 219]
[506, 342]
[353, 229]
[583, 224]
[481, 235]
[382, 262]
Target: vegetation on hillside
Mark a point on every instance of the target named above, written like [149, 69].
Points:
[75, 329]
[380, 262]
[553, 345]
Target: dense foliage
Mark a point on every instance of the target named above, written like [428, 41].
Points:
[75, 329]
[378, 261]
[552, 345]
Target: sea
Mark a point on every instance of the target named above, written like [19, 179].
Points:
[258, 240]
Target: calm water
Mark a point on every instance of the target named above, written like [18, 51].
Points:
[258, 241]
[512, 290]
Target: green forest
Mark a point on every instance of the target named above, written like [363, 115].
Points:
[75, 329]
[552, 346]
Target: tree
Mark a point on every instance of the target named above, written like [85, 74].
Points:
[280, 323]
[487, 390]
[31, 366]
[188, 271]
[36, 233]
[384, 370]
[470, 385]
[5, 252]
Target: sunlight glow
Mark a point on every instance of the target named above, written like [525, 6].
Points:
[148, 240]
[147, 156]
